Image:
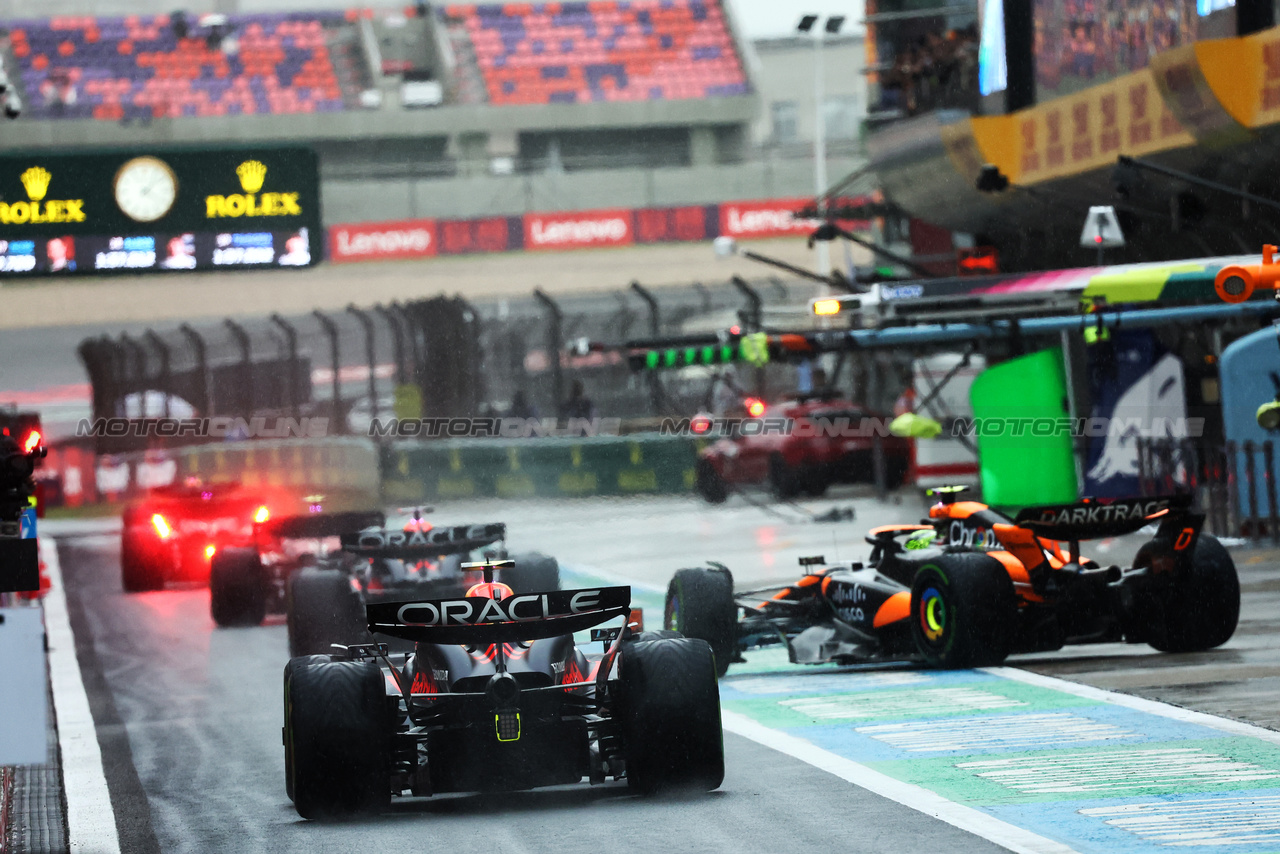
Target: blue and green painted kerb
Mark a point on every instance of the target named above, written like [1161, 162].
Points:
[1095, 776]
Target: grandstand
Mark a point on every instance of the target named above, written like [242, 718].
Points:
[453, 111]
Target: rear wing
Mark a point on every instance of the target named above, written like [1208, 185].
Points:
[1092, 520]
[480, 620]
[416, 545]
[312, 526]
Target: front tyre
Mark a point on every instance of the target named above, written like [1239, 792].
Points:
[962, 611]
[709, 483]
[337, 735]
[700, 604]
[322, 609]
[671, 716]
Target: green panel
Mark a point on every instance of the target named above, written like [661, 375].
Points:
[1024, 450]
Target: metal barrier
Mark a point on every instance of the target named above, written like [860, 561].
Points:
[1235, 484]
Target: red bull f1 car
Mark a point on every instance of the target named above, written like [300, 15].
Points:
[496, 696]
[320, 569]
[972, 586]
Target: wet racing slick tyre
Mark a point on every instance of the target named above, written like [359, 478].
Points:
[784, 481]
[1197, 610]
[700, 605]
[709, 484]
[533, 573]
[671, 716]
[322, 608]
[293, 665]
[962, 611]
[337, 735]
[236, 593]
[139, 571]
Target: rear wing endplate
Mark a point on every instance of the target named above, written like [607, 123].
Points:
[1091, 520]
[480, 620]
[415, 545]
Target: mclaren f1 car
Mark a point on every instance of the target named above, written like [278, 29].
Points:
[496, 696]
[970, 586]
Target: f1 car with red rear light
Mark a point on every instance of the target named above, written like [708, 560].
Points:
[171, 533]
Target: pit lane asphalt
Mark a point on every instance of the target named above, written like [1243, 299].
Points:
[189, 720]
[189, 715]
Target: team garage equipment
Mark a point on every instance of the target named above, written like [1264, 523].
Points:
[496, 696]
[972, 586]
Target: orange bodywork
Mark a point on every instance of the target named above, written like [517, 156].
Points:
[958, 510]
[896, 607]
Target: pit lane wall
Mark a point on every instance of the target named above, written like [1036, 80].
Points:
[403, 472]
[1214, 95]
[546, 467]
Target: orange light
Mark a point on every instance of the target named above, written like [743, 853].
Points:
[755, 407]
[700, 425]
[826, 307]
[261, 515]
[163, 531]
[32, 442]
[209, 551]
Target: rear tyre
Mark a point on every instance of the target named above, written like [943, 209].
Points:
[783, 480]
[337, 735]
[700, 605]
[962, 611]
[236, 593]
[139, 569]
[709, 483]
[322, 609]
[1199, 609]
[671, 716]
[533, 573]
[294, 664]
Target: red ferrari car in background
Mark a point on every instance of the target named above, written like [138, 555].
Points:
[802, 446]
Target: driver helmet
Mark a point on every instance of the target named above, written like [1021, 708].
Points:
[490, 590]
[921, 539]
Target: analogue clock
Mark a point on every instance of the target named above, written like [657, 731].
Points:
[145, 188]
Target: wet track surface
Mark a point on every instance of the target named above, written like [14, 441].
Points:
[189, 715]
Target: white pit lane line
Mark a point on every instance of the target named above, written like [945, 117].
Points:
[915, 797]
[91, 822]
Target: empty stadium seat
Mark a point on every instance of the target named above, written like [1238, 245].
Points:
[136, 67]
[629, 50]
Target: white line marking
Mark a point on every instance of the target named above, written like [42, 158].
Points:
[909, 795]
[1154, 707]
[1251, 820]
[896, 704]
[1027, 732]
[91, 823]
[1116, 771]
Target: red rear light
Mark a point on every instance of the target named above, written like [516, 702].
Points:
[209, 551]
[755, 407]
[163, 531]
[262, 514]
[31, 442]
